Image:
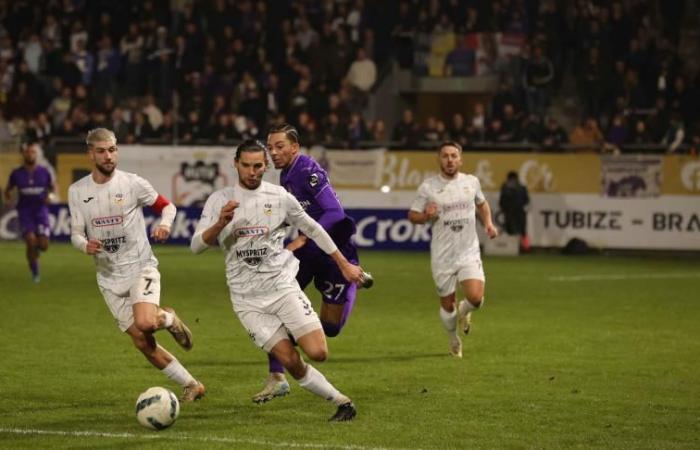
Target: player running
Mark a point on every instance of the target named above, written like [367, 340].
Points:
[248, 221]
[449, 201]
[34, 184]
[308, 182]
[107, 223]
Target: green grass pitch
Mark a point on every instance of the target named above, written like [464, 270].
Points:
[568, 352]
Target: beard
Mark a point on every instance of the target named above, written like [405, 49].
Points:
[449, 173]
[106, 171]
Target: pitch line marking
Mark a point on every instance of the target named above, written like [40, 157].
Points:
[181, 437]
[622, 276]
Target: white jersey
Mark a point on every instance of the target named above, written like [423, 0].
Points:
[258, 267]
[454, 238]
[112, 213]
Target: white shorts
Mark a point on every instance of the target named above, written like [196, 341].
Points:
[145, 289]
[446, 278]
[267, 325]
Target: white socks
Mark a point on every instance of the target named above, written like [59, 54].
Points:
[168, 319]
[449, 321]
[315, 382]
[177, 372]
[465, 306]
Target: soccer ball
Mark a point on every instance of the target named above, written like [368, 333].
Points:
[157, 408]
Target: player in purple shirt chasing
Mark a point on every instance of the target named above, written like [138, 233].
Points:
[306, 180]
[34, 183]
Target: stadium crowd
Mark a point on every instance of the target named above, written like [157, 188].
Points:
[223, 70]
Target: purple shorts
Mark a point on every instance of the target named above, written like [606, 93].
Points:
[315, 265]
[34, 221]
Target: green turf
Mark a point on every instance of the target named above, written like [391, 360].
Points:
[552, 363]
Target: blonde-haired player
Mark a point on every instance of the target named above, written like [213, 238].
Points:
[107, 223]
[450, 201]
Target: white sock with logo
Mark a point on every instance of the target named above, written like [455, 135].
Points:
[449, 321]
[177, 372]
[315, 382]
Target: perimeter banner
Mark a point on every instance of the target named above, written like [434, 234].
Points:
[657, 223]
[184, 174]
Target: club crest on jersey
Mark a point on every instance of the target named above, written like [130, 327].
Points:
[111, 245]
[267, 209]
[251, 231]
[313, 180]
[118, 198]
[107, 221]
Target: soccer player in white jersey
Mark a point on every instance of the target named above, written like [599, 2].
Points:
[450, 201]
[248, 221]
[107, 223]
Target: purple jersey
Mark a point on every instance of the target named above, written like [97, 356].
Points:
[306, 180]
[33, 187]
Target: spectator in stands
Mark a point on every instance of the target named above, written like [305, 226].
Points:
[539, 74]
[457, 130]
[495, 132]
[532, 131]
[553, 135]
[586, 136]
[617, 133]
[675, 134]
[119, 124]
[592, 83]
[479, 121]
[378, 132]
[407, 132]
[361, 77]
[640, 133]
[60, 106]
[333, 132]
[460, 62]
[357, 130]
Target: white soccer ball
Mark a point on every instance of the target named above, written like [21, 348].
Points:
[157, 408]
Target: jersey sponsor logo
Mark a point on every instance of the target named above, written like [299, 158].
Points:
[252, 256]
[447, 207]
[456, 225]
[108, 221]
[87, 200]
[118, 199]
[251, 231]
[111, 245]
[313, 180]
[36, 190]
[267, 209]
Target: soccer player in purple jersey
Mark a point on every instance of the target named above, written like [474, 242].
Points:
[34, 183]
[306, 180]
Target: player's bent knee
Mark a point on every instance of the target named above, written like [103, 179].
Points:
[476, 301]
[317, 354]
[146, 324]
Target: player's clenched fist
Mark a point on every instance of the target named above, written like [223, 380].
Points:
[93, 247]
[160, 233]
[431, 211]
[226, 214]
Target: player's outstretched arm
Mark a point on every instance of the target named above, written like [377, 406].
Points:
[298, 217]
[484, 211]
